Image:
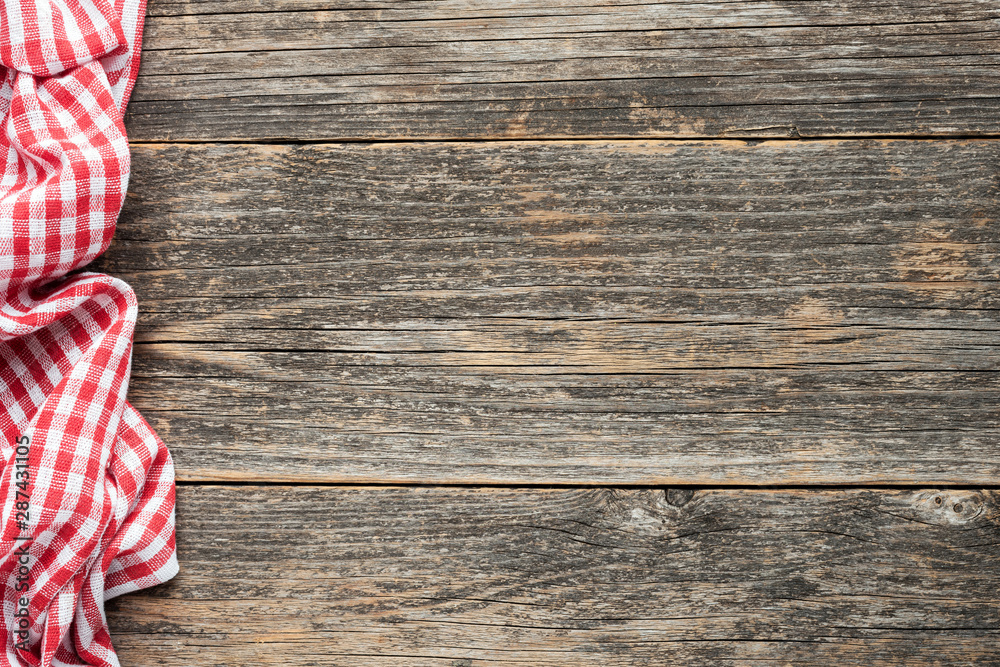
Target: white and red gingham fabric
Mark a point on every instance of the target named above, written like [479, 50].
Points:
[101, 510]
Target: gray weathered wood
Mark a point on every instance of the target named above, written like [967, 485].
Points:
[566, 312]
[410, 576]
[609, 312]
[308, 69]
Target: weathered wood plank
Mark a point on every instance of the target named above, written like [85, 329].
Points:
[435, 576]
[623, 312]
[239, 69]
[244, 416]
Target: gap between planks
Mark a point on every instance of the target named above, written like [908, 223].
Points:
[219, 479]
[749, 140]
[819, 486]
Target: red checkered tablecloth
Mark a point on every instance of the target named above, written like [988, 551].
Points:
[87, 486]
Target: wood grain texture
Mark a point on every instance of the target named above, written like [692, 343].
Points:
[604, 312]
[318, 69]
[603, 577]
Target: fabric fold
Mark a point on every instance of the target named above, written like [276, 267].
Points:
[49, 37]
[94, 517]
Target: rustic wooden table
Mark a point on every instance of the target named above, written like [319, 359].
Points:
[559, 333]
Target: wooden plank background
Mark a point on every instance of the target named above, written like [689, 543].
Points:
[437, 576]
[343, 69]
[476, 329]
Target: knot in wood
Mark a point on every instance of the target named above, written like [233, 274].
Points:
[951, 507]
[679, 497]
